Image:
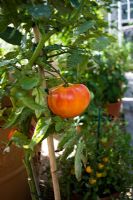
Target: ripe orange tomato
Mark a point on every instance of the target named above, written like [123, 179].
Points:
[11, 133]
[89, 170]
[100, 165]
[92, 181]
[99, 175]
[69, 101]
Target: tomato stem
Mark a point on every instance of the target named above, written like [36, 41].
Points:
[31, 180]
[39, 47]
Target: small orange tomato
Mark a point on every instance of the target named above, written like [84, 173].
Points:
[92, 181]
[99, 175]
[105, 159]
[11, 133]
[89, 169]
[69, 101]
[100, 165]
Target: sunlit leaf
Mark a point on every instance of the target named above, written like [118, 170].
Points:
[13, 117]
[20, 139]
[40, 131]
[40, 97]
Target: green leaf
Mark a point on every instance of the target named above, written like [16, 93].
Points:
[30, 103]
[67, 136]
[20, 139]
[12, 54]
[77, 59]
[78, 161]
[40, 95]
[59, 126]
[13, 117]
[11, 35]
[27, 83]
[25, 120]
[40, 11]
[59, 123]
[100, 43]
[53, 47]
[7, 62]
[3, 79]
[3, 23]
[69, 146]
[85, 27]
[75, 3]
[67, 152]
[40, 131]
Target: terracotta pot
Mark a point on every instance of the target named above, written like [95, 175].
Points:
[76, 197]
[13, 177]
[113, 109]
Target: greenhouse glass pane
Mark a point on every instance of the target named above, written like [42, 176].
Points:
[124, 1]
[131, 10]
[114, 14]
[124, 11]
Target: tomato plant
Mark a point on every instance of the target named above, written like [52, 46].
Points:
[69, 101]
[44, 32]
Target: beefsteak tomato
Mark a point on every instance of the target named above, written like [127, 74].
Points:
[70, 101]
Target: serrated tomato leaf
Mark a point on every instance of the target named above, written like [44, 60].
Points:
[27, 83]
[13, 117]
[40, 131]
[30, 103]
[20, 139]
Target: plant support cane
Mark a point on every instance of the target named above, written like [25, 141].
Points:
[52, 157]
[50, 143]
[53, 167]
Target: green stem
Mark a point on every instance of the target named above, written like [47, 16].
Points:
[54, 70]
[30, 176]
[39, 47]
[57, 54]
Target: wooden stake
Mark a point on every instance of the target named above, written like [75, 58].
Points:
[53, 167]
